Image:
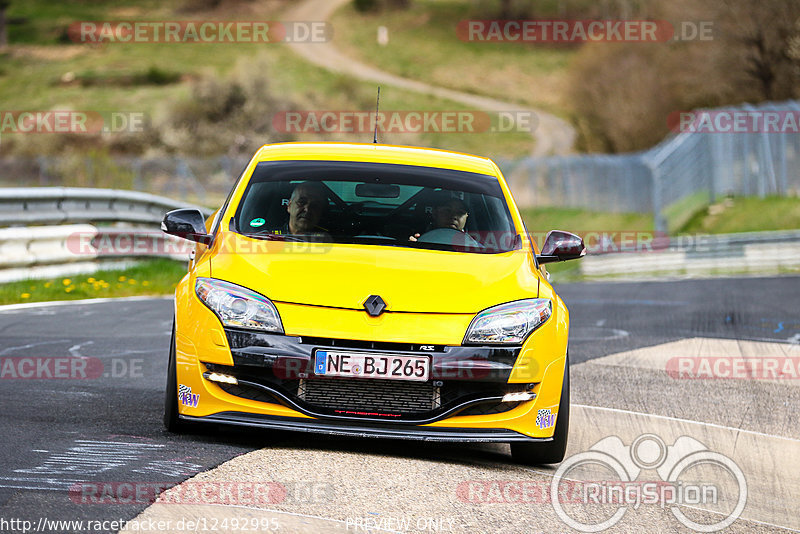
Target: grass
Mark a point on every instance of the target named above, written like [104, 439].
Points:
[45, 22]
[588, 224]
[40, 56]
[678, 214]
[579, 221]
[151, 277]
[344, 93]
[565, 271]
[424, 45]
[151, 76]
[31, 74]
[688, 216]
[747, 214]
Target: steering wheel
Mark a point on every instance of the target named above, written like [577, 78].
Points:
[449, 236]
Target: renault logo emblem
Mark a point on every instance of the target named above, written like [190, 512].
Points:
[374, 305]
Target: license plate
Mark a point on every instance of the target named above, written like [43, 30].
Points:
[365, 365]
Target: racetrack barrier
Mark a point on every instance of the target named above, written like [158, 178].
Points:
[752, 252]
[48, 234]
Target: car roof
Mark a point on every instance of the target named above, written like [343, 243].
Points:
[377, 153]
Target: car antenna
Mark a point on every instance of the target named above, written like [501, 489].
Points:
[377, 106]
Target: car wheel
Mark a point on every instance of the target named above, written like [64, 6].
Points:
[550, 452]
[171, 421]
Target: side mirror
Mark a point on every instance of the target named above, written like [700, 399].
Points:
[186, 224]
[561, 246]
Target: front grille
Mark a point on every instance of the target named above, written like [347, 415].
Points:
[247, 392]
[489, 408]
[373, 395]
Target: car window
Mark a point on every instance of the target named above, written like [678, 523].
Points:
[376, 204]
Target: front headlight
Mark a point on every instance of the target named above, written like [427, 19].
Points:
[509, 323]
[237, 306]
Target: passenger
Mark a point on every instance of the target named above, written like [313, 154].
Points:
[450, 214]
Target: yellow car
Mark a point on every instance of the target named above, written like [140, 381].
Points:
[372, 290]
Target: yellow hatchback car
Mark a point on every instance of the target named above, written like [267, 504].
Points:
[372, 290]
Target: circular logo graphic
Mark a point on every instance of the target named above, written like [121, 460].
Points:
[577, 461]
[720, 461]
[648, 451]
[671, 463]
[255, 223]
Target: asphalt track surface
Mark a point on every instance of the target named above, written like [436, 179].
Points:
[58, 435]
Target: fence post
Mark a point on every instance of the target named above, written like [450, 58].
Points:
[781, 146]
[89, 169]
[136, 166]
[714, 177]
[43, 163]
[767, 167]
[658, 217]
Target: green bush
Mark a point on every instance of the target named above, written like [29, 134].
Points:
[152, 76]
[224, 114]
[157, 76]
[365, 5]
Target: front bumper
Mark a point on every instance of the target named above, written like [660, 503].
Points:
[271, 362]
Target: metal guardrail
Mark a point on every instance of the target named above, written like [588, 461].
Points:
[42, 239]
[752, 252]
[65, 250]
[29, 206]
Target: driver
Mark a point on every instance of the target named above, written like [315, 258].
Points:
[306, 206]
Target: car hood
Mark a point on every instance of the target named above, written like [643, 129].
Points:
[344, 276]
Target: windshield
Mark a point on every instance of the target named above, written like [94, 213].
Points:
[376, 204]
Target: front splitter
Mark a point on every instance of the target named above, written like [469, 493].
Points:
[460, 435]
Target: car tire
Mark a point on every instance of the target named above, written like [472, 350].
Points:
[549, 452]
[171, 420]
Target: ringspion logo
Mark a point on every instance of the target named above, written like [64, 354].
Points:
[689, 474]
